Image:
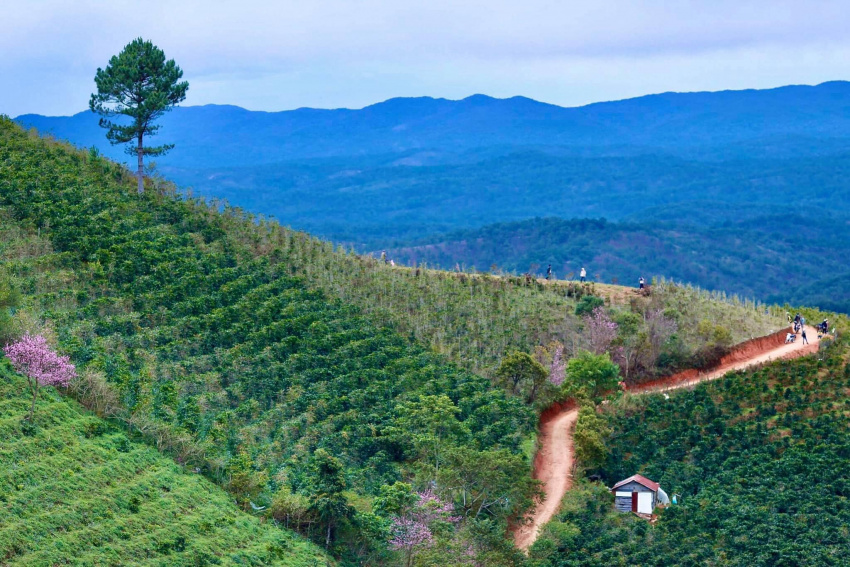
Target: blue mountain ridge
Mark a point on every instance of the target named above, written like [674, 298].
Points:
[230, 136]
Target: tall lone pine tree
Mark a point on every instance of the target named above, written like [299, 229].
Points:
[141, 84]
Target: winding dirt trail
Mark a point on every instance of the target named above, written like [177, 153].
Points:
[553, 465]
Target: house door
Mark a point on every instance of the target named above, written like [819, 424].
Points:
[644, 503]
[634, 501]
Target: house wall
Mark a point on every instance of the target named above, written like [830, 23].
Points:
[623, 496]
[623, 503]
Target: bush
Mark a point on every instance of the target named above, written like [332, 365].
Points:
[592, 374]
[587, 304]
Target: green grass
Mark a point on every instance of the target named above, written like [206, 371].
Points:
[74, 490]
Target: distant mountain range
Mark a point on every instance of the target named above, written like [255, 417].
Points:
[407, 169]
[816, 118]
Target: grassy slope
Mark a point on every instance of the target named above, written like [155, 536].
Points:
[787, 254]
[77, 491]
[476, 318]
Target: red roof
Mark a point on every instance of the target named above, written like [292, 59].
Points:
[642, 480]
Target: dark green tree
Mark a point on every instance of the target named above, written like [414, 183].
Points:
[521, 375]
[326, 485]
[592, 374]
[141, 84]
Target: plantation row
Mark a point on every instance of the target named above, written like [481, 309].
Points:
[75, 490]
[236, 366]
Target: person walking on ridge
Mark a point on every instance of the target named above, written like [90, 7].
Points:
[805, 340]
[582, 274]
[549, 272]
[641, 282]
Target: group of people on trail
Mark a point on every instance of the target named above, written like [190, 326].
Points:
[798, 326]
[582, 276]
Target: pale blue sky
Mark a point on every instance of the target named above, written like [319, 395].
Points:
[282, 55]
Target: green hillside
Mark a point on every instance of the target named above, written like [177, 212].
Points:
[242, 348]
[199, 330]
[778, 254]
[758, 458]
[75, 490]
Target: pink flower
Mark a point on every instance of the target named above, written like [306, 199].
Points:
[32, 357]
[413, 528]
[558, 368]
[601, 331]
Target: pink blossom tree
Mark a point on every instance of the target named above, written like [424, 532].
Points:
[558, 368]
[32, 357]
[601, 331]
[412, 529]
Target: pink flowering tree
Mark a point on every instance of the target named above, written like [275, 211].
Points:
[413, 528]
[601, 331]
[32, 357]
[558, 368]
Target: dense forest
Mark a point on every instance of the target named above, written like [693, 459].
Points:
[781, 256]
[386, 413]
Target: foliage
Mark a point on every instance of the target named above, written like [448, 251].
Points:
[10, 299]
[413, 526]
[600, 330]
[325, 484]
[80, 491]
[589, 438]
[757, 458]
[32, 357]
[521, 375]
[210, 335]
[592, 374]
[138, 83]
[588, 304]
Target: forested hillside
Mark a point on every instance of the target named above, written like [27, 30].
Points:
[290, 399]
[360, 175]
[350, 400]
[757, 458]
[75, 490]
[781, 256]
[808, 119]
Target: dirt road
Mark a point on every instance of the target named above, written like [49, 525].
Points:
[554, 469]
[554, 462]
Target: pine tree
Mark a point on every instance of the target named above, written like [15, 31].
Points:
[141, 84]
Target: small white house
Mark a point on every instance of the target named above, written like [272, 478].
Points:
[638, 494]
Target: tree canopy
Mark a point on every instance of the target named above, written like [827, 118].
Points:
[141, 84]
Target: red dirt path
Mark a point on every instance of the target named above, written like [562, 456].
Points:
[553, 464]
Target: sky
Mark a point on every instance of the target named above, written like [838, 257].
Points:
[278, 55]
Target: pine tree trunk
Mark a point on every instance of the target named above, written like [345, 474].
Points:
[141, 171]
